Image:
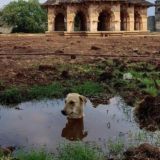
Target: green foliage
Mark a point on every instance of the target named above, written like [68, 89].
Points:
[34, 155]
[88, 88]
[79, 151]
[11, 96]
[25, 16]
[151, 90]
[116, 148]
[16, 95]
[49, 91]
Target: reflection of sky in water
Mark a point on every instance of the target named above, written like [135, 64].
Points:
[41, 124]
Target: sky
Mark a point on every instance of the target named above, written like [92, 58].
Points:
[151, 10]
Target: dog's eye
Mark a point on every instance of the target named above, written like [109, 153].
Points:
[65, 101]
[71, 103]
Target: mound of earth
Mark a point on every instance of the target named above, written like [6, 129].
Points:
[148, 113]
[143, 152]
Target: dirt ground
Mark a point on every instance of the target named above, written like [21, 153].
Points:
[143, 152]
[20, 56]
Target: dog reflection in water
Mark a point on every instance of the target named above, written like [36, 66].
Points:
[74, 130]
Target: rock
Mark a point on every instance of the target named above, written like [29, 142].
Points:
[107, 75]
[135, 50]
[59, 51]
[20, 75]
[73, 56]
[127, 76]
[65, 75]
[155, 52]
[19, 47]
[46, 67]
[7, 150]
[95, 48]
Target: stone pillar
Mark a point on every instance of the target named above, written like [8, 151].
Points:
[51, 19]
[70, 18]
[93, 18]
[116, 18]
[144, 19]
[130, 11]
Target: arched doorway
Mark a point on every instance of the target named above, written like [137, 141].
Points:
[104, 21]
[80, 23]
[137, 21]
[60, 22]
[125, 21]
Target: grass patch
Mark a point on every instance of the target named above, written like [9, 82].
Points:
[116, 148]
[79, 151]
[55, 90]
[89, 88]
[16, 95]
[11, 96]
[33, 155]
[151, 91]
[49, 91]
[66, 151]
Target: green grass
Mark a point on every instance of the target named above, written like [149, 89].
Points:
[16, 95]
[55, 90]
[49, 91]
[89, 88]
[151, 90]
[34, 155]
[116, 148]
[66, 151]
[79, 151]
[10, 96]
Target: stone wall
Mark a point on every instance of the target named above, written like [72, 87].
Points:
[98, 17]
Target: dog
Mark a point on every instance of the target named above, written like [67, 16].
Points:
[74, 106]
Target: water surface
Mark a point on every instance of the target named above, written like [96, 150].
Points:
[40, 124]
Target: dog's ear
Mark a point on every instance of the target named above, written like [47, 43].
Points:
[83, 99]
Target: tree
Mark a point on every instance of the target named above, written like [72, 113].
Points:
[27, 17]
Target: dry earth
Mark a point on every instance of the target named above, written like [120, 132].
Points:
[20, 56]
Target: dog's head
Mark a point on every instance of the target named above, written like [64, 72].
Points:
[74, 104]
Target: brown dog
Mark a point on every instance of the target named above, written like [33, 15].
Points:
[74, 105]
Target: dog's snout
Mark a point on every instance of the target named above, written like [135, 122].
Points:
[64, 112]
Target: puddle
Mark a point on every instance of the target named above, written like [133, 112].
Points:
[40, 124]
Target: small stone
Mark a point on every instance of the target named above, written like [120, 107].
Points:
[65, 75]
[95, 48]
[59, 51]
[46, 67]
[73, 56]
[127, 76]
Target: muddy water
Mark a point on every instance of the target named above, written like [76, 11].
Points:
[40, 124]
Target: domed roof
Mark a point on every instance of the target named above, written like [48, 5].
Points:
[58, 2]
